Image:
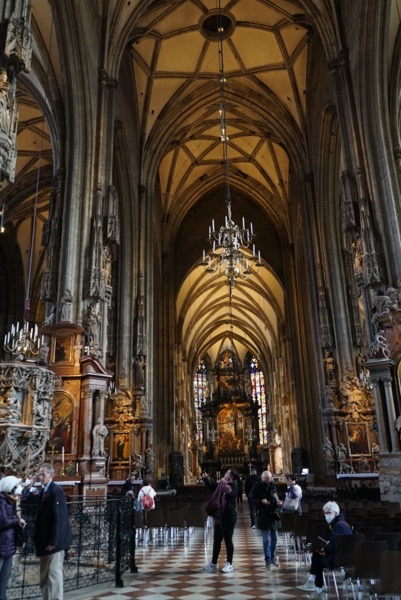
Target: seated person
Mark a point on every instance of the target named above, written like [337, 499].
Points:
[325, 558]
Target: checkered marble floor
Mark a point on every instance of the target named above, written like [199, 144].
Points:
[175, 571]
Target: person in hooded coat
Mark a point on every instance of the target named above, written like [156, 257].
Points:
[10, 489]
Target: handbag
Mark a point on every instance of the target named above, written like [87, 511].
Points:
[218, 501]
[291, 504]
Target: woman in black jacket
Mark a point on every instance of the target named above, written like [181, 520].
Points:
[10, 489]
[224, 528]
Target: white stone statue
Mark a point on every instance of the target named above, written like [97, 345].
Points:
[66, 307]
[398, 426]
[99, 434]
[92, 321]
[150, 458]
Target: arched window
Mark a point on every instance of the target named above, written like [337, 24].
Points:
[200, 385]
[259, 395]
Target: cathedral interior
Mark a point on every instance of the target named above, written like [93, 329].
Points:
[200, 246]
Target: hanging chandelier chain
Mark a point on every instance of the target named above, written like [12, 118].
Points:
[229, 242]
[223, 112]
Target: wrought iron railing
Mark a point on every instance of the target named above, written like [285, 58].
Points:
[103, 547]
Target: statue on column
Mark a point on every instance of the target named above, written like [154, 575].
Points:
[66, 307]
[342, 458]
[91, 323]
[99, 434]
[137, 462]
[150, 459]
[330, 367]
[139, 371]
[328, 452]
[398, 426]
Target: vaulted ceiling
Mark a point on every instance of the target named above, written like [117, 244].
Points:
[178, 58]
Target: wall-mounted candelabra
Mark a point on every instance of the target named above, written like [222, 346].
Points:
[23, 342]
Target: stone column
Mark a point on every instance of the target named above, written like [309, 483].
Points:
[391, 415]
[380, 416]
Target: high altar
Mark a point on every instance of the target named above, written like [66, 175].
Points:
[230, 419]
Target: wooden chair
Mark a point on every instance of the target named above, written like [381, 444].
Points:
[390, 575]
[367, 563]
[193, 518]
[156, 520]
[370, 532]
[344, 559]
[393, 539]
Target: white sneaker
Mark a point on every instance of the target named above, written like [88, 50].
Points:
[308, 586]
[228, 568]
[210, 568]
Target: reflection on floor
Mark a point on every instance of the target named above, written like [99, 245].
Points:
[175, 571]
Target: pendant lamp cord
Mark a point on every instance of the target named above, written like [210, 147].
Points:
[223, 110]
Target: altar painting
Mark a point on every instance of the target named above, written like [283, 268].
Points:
[230, 425]
[358, 438]
[60, 435]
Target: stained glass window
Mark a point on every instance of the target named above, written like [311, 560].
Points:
[200, 390]
[259, 395]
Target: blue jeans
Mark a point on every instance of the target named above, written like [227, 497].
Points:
[5, 568]
[269, 537]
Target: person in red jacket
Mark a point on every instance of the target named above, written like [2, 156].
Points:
[10, 490]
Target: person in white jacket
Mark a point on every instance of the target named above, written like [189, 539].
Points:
[146, 490]
[293, 497]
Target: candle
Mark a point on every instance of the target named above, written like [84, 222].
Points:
[213, 225]
[62, 454]
[76, 468]
[243, 222]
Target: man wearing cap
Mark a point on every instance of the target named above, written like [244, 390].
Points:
[10, 489]
[52, 534]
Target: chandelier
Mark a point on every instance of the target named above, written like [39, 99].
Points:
[23, 343]
[230, 243]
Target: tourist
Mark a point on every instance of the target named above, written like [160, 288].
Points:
[224, 527]
[10, 522]
[250, 481]
[325, 557]
[268, 520]
[52, 535]
[293, 496]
